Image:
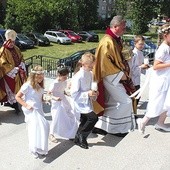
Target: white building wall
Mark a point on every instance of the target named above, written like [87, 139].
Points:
[105, 9]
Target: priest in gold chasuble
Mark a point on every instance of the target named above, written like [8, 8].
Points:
[109, 70]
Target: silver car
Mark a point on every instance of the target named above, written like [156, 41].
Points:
[58, 37]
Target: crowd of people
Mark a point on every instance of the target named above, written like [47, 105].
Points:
[99, 98]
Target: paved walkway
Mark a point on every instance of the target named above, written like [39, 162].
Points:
[135, 151]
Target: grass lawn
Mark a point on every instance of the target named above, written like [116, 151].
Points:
[62, 51]
[59, 51]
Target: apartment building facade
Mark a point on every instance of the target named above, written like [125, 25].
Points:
[3, 2]
[106, 8]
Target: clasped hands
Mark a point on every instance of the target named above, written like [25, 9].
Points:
[93, 93]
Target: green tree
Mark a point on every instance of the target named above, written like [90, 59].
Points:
[121, 7]
[35, 15]
[141, 14]
[164, 7]
[66, 17]
[2, 14]
[87, 14]
[24, 15]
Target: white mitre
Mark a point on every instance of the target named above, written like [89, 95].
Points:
[10, 35]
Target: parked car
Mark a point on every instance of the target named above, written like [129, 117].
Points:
[148, 44]
[148, 51]
[72, 35]
[89, 36]
[72, 60]
[23, 42]
[159, 23]
[167, 19]
[38, 38]
[58, 37]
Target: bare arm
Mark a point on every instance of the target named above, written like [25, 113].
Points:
[160, 65]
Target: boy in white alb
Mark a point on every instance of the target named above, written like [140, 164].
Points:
[83, 95]
[137, 61]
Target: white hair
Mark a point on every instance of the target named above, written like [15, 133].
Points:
[117, 20]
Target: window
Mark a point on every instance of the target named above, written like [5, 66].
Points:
[103, 16]
[53, 34]
[31, 35]
[103, 8]
[109, 9]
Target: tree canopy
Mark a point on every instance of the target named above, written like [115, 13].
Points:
[35, 15]
[140, 12]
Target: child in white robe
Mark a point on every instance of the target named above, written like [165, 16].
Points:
[30, 96]
[137, 61]
[82, 93]
[159, 85]
[64, 123]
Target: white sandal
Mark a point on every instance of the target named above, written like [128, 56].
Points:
[35, 154]
[52, 138]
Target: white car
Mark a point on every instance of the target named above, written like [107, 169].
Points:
[58, 37]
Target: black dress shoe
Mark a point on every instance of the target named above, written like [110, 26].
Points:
[81, 141]
[84, 145]
[7, 104]
[99, 131]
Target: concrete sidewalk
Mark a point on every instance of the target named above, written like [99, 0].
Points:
[135, 151]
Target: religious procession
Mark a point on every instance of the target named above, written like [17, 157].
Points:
[102, 96]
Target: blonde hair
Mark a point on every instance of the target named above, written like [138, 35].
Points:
[87, 57]
[33, 77]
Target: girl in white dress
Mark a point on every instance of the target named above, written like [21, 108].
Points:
[30, 96]
[64, 123]
[159, 85]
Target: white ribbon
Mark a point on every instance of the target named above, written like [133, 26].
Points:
[139, 92]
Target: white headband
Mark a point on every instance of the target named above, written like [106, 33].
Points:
[37, 72]
[164, 30]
